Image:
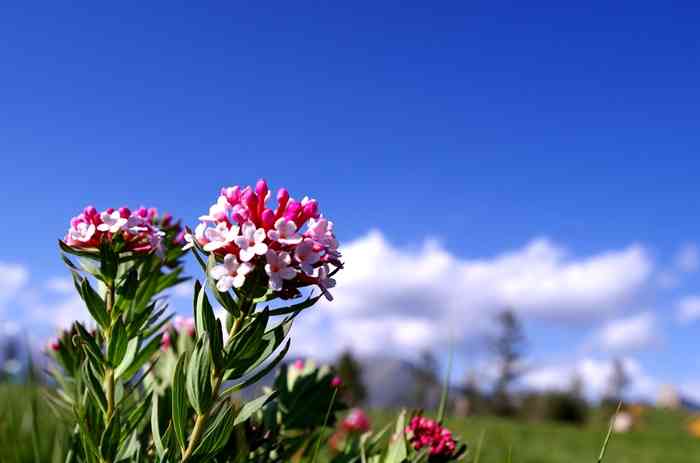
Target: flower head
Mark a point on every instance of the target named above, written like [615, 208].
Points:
[140, 231]
[356, 421]
[242, 224]
[424, 432]
[230, 274]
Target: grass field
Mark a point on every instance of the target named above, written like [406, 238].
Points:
[661, 437]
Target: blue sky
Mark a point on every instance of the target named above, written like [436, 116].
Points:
[481, 127]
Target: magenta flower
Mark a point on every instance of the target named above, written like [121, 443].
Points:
[424, 432]
[356, 421]
[292, 242]
[140, 230]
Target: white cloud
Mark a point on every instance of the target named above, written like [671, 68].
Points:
[397, 300]
[688, 308]
[688, 258]
[594, 374]
[60, 285]
[184, 290]
[627, 334]
[12, 278]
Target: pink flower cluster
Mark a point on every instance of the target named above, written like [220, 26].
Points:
[424, 432]
[356, 421]
[180, 325]
[248, 234]
[140, 229]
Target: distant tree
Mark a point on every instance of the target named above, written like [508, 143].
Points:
[508, 345]
[426, 378]
[618, 381]
[350, 371]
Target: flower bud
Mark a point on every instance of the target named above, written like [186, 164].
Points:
[268, 219]
[298, 364]
[261, 189]
[54, 345]
[124, 212]
[336, 382]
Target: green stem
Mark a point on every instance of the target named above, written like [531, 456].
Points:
[325, 423]
[109, 372]
[201, 421]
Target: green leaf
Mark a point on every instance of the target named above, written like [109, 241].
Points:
[118, 342]
[95, 304]
[142, 357]
[206, 322]
[296, 308]
[94, 386]
[110, 440]
[179, 405]
[155, 426]
[253, 406]
[445, 390]
[260, 374]
[109, 261]
[127, 289]
[397, 448]
[89, 344]
[132, 349]
[217, 433]
[92, 253]
[248, 343]
[198, 382]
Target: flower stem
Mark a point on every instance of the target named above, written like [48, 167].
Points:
[109, 372]
[201, 421]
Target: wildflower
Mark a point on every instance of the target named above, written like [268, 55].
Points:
[285, 232]
[219, 236]
[251, 242]
[298, 364]
[54, 344]
[242, 223]
[138, 231]
[111, 222]
[185, 324]
[356, 421]
[325, 282]
[424, 432]
[307, 256]
[336, 382]
[278, 269]
[230, 274]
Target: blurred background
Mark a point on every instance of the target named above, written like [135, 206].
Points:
[513, 184]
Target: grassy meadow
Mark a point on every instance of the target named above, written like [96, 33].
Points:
[660, 437]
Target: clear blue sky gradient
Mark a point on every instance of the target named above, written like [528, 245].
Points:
[484, 124]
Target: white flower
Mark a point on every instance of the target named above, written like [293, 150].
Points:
[251, 242]
[278, 269]
[82, 232]
[306, 256]
[230, 274]
[321, 231]
[111, 222]
[198, 235]
[222, 207]
[325, 282]
[285, 232]
[220, 236]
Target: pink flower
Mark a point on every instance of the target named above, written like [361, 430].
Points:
[307, 257]
[230, 274]
[285, 232]
[165, 341]
[278, 269]
[356, 421]
[54, 344]
[298, 364]
[219, 236]
[111, 222]
[184, 324]
[424, 432]
[336, 382]
[251, 242]
[244, 224]
[81, 232]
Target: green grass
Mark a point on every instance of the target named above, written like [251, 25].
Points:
[660, 438]
[23, 439]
